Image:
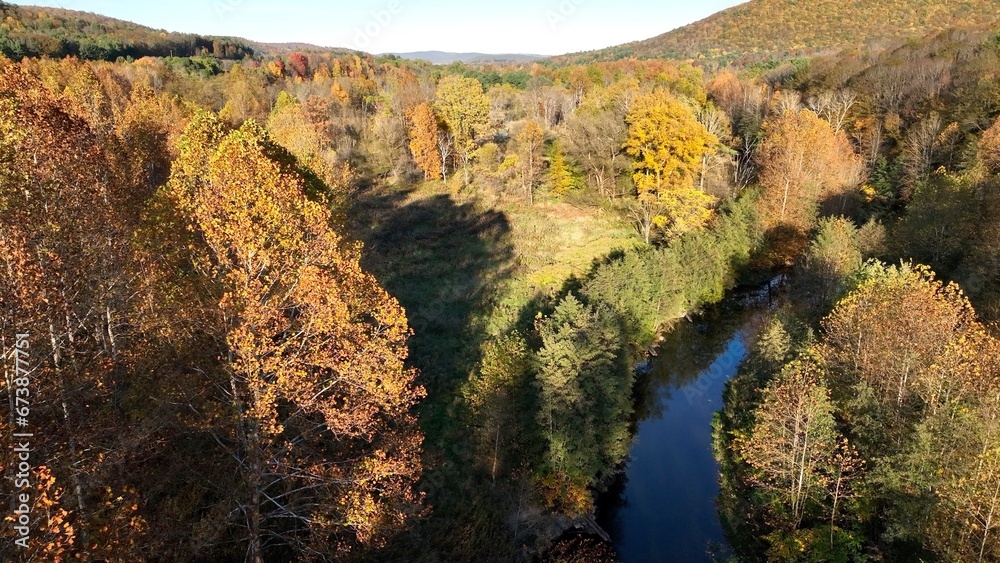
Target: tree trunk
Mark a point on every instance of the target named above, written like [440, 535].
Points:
[989, 521]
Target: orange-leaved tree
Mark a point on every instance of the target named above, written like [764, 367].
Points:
[66, 281]
[793, 442]
[803, 163]
[424, 133]
[312, 352]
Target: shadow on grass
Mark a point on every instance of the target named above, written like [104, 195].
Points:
[445, 262]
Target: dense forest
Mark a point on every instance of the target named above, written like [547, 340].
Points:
[328, 306]
[864, 426]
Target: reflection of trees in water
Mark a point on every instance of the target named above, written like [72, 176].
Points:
[610, 502]
[685, 354]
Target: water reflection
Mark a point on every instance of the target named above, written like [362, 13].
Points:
[663, 507]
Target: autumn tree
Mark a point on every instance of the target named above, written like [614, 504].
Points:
[667, 143]
[312, 351]
[793, 440]
[141, 147]
[299, 65]
[918, 152]
[465, 111]
[989, 148]
[245, 96]
[528, 160]
[833, 106]
[52, 536]
[68, 281]
[386, 136]
[594, 137]
[424, 140]
[561, 179]
[803, 164]
[887, 332]
[833, 255]
[964, 439]
[716, 175]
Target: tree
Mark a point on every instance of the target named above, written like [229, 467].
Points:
[667, 143]
[833, 255]
[245, 96]
[888, 331]
[67, 279]
[312, 351]
[989, 148]
[530, 141]
[492, 393]
[594, 137]
[584, 384]
[803, 162]
[424, 141]
[299, 65]
[918, 152]
[834, 106]
[961, 441]
[793, 440]
[294, 127]
[716, 176]
[465, 110]
[561, 178]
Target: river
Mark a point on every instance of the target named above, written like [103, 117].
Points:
[663, 507]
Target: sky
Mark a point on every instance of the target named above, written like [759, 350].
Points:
[543, 27]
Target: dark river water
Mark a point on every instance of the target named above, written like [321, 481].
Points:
[664, 506]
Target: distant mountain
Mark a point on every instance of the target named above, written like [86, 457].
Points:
[443, 58]
[284, 49]
[781, 29]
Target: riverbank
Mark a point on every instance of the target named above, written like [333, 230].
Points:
[662, 507]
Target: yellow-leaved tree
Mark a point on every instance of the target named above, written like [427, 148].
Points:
[667, 142]
[465, 110]
[311, 352]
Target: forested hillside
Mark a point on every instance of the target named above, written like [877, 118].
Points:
[864, 424]
[28, 31]
[326, 306]
[761, 30]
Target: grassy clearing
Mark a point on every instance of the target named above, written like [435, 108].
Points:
[465, 269]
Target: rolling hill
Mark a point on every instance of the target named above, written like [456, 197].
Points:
[31, 31]
[780, 29]
[54, 32]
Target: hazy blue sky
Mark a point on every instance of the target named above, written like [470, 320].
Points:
[546, 27]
